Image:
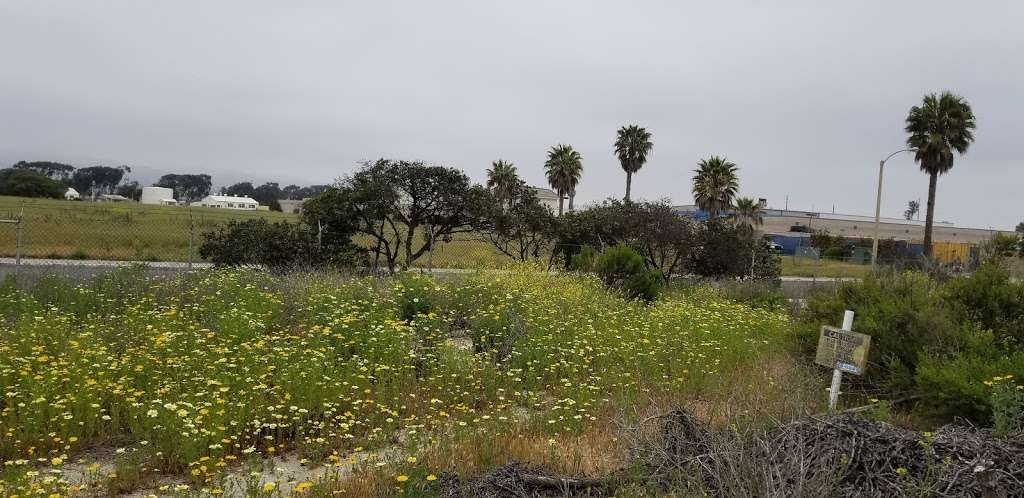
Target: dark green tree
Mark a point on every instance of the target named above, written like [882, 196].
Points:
[632, 145]
[98, 180]
[24, 182]
[519, 226]
[187, 187]
[941, 125]
[714, 185]
[563, 169]
[402, 206]
[54, 171]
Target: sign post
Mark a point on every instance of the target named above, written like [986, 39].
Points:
[842, 350]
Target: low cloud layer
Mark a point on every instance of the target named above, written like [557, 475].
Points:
[806, 98]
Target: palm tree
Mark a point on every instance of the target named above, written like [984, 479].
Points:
[715, 185]
[632, 144]
[942, 124]
[748, 213]
[503, 180]
[563, 170]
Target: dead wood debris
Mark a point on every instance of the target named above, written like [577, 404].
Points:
[844, 455]
[848, 454]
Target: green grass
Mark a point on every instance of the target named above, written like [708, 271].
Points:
[114, 231]
[60, 229]
[194, 374]
[804, 267]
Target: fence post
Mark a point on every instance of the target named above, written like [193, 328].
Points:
[430, 248]
[18, 229]
[837, 374]
[191, 236]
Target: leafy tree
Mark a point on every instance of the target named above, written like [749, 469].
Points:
[296, 192]
[131, 190]
[240, 189]
[98, 180]
[727, 251]
[52, 170]
[715, 184]
[268, 194]
[941, 125]
[913, 207]
[187, 187]
[395, 203]
[24, 182]
[748, 213]
[664, 239]
[563, 169]
[503, 180]
[520, 227]
[632, 145]
[1020, 227]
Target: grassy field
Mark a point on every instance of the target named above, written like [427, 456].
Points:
[804, 267]
[189, 386]
[136, 232]
[118, 231]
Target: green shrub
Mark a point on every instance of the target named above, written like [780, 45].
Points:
[1007, 407]
[904, 315]
[836, 253]
[584, 260]
[959, 384]
[623, 268]
[991, 299]
[277, 245]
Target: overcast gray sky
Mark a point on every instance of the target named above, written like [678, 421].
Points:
[805, 97]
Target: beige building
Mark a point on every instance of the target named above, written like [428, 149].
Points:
[547, 197]
[781, 222]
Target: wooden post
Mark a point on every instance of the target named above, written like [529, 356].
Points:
[837, 375]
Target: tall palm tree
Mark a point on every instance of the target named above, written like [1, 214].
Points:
[715, 184]
[502, 179]
[563, 169]
[632, 144]
[940, 125]
[748, 213]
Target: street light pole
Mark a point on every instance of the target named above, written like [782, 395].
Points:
[878, 207]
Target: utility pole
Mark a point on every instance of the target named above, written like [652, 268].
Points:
[878, 207]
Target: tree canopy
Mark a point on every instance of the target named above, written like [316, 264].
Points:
[563, 170]
[98, 180]
[403, 206]
[632, 145]
[53, 170]
[187, 187]
[715, 184]
[24, 182]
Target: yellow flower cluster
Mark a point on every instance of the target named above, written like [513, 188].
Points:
[196, 371]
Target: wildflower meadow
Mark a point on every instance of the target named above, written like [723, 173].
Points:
[129, 382]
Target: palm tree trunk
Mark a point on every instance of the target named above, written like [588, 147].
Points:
[561, 203]
[629, 183]
[571, 197]
[930, 216]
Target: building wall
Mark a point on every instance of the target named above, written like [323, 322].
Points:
[864, 228]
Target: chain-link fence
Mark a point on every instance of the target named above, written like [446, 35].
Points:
[36, 229]
[60, 231]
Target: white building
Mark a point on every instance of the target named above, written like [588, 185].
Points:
[71, 195]
[229, 202]
[158, 195]
[547, 197]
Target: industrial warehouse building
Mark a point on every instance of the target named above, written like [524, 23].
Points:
[158, 195]
[791, 229]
